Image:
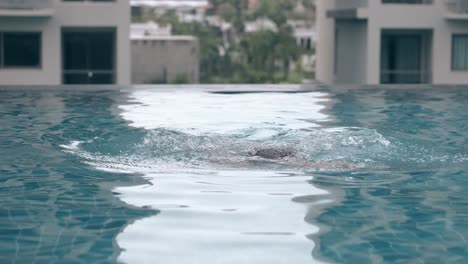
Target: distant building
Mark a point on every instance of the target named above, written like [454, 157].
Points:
[150, 28]
[304, 33]
[260, 24]
[164, 58]
[306, 37]
[392, 41]
[185, 10]
[225, 28]
[299, 8]
[171, 4]
[48, 42]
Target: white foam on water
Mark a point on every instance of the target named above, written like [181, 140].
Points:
[72, 146]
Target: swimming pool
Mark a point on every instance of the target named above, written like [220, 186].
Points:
[171, 175]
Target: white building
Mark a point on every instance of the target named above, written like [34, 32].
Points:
[260, 24]
[52, 42]
[225, 28]
[306, 37]
[392, 41]
[158, 59]
[304, 33]
[186, 10]
[149, 28]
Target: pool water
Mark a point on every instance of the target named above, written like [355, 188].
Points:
[171, 175]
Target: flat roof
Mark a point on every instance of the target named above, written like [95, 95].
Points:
[170, 3]
[164, 37]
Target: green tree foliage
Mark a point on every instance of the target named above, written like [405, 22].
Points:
[211, 63]
[231, 11]
[276, 10]
[268, 52]
[259, 57]
[286, 48]
[227, 12]
[309, 4]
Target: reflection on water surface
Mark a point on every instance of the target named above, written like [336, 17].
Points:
[373, 175]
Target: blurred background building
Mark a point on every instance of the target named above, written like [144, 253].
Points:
[392, 41]
[52, 42]
[240, 41]
[158, 57]
[48, 42]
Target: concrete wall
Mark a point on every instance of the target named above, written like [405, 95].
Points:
[351, 52]
[49, 72]
[164, 59]
[430, 17]
[394, 16]
[442, 72]
[380, 17]
[69, 14]
[325, 41]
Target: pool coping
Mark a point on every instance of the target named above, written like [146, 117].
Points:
[232, 88]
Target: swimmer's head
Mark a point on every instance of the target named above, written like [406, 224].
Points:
[272, 152]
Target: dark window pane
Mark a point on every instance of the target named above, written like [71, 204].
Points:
[21, 49]
[102, 78]
[88, 56]
[101, 49]
[87, 78]
[1, 49]
[400, 59]
[75, 78]
[75, 46]
[460, 52]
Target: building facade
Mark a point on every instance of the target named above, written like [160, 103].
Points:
[392, 41]
[53, 42]
[161, 59]
[186, 10]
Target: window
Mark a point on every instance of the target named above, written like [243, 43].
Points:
[401, 58]
[88, 56]
[460, 53]
[20, 50]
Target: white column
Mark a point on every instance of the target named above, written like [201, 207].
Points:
[325, 41]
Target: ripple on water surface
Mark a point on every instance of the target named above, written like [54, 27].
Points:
[220, 216]
[216, 202]
[219, 202]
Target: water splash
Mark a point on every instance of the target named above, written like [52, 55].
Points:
[163, 148]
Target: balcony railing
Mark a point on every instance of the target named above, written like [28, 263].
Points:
[26, 4]
[457, 6]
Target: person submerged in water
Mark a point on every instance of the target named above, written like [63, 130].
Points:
[288, 156]
[272, 153]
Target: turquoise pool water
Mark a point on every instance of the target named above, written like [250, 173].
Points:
[170, 175]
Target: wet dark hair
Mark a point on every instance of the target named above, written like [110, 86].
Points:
[272, 152]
